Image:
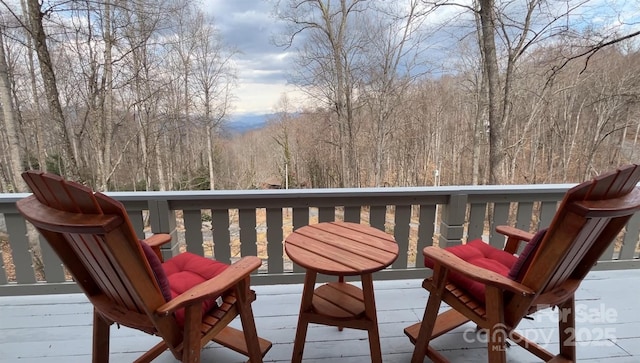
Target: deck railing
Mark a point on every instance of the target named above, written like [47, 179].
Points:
[226, 225]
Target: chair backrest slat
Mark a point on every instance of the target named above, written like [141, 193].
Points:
[106, 276]
[577, 251]
[82, 198]
[40, 190]
[625, 181]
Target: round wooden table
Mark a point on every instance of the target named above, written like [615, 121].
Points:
[340, 249]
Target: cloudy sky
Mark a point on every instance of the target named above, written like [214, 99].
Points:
[247, 26]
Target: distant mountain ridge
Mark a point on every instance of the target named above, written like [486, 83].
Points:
[244, 123]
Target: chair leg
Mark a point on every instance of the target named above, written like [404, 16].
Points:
[192, 343]
[248, 322]
[497, 344]
[426, 329]
[100, 338]
[430, 316]
[567, 328]
[497, 332]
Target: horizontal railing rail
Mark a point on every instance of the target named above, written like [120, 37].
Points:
[227, 225]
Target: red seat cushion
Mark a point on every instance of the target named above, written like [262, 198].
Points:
[181, 273]
[480, 254]
[187, 270]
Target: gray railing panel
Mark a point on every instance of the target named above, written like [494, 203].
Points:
[248, 233]
[221, 236]
[3, 274]
[275, 252]
[3, 268]
[53, 268]
[137, 222]
[193, 231]
[352, 214]
[426, 230]
[524, 216]
[477, 220]
[547, 211]
[608, 254]
[614, 250]
[378, 216]
[630, 241]
[20, 250]
[326, 214]
[401, 234]
[300, 219]
[500, 217]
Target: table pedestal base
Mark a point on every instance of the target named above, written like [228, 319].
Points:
[338, 304]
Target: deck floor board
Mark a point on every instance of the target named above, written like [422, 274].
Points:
[57, 328]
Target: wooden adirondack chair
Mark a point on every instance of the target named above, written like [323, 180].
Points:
[496, 290]
[188, 300]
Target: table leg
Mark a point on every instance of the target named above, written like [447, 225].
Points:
[303, 319]
[370, 312]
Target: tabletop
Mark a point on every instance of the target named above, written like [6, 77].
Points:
[341, 248]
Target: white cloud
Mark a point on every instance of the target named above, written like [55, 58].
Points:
[262, 98]
[247, 26]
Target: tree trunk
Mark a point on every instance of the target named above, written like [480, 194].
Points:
[8, 113]
[107, 105]
[491, 71]
[159, 167]
[41, 153]
[50, 86]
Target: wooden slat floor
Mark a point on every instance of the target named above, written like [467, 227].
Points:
[57, 328]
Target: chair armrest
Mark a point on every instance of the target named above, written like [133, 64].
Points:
[157, 240]
[213, 287]
[452, 262]
[514, 237]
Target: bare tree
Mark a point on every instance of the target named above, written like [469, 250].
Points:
[214, 79]
[36, 27]
[10, 123]
[506, 33]
[393, 64]
[183, 44]
[328, 63]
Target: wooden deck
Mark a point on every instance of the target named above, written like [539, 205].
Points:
[57, 328]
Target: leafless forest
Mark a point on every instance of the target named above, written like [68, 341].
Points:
[136, 95]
